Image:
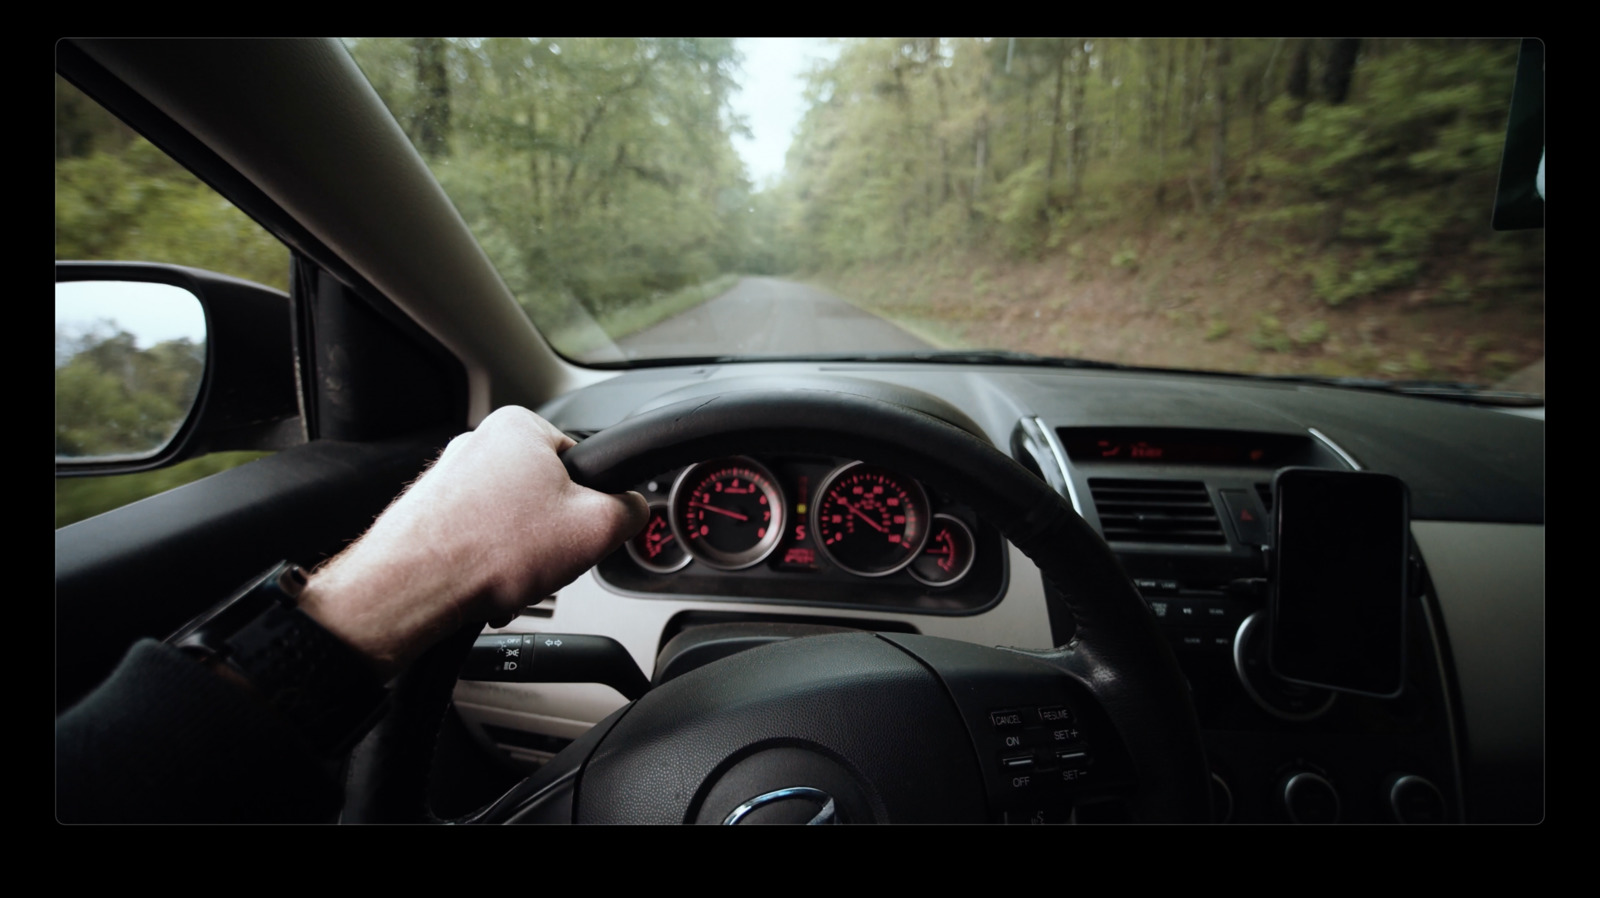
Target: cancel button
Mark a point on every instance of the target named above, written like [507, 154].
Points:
[1006, 720]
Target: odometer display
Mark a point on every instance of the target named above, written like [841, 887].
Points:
[728, 513]
[870, 521]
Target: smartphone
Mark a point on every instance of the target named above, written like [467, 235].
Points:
[1340, 580]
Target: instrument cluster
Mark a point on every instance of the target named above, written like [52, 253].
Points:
[798, 528]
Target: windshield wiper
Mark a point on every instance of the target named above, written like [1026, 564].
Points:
[936, 356]
[1454, 391]
[1004, 357]
[1451, 391]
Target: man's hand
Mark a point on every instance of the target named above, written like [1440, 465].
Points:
[494, 524]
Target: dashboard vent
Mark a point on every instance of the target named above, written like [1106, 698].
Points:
[1176, 512]
[1264, 490]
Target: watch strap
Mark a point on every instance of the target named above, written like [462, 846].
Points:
[311, 677]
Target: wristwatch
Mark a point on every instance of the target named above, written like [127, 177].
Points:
[321, 685]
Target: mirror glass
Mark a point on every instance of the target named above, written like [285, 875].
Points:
[129, 360]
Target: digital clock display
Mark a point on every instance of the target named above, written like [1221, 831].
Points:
[1173, 448]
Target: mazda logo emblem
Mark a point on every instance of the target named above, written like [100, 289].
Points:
[825, 815]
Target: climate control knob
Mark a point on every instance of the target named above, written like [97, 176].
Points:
[1309, 798]
[1413, 799]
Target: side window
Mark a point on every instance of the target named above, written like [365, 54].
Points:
[119, 198]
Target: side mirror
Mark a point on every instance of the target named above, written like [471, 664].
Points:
[159, 363]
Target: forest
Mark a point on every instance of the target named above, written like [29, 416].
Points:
[1314, 206]
[1270, 205]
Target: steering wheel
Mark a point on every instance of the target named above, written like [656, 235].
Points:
[868, 727]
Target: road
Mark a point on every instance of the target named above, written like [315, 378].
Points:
[770, 316]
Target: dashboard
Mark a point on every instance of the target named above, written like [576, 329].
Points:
[1175, 473]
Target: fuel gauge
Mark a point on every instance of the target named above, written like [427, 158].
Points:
[948, 554]
[656, 548]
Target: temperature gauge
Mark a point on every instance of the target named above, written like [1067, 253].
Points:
[948, 554]
[657, 548]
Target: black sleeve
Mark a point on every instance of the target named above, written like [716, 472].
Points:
[165, 740]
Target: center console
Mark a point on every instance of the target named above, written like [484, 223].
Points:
[1189, 515]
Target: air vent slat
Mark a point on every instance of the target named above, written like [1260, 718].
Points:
[1169, 512]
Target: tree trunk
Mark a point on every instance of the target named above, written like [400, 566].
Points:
[1079, 145]
[1219, 138]
[1166, 118]
[1055, 117]
[944, 142]
[981, 151]
[1340, 69]
[1299, 83]
[1152, 66]
[1197, 95]
[1027, 118]
[980, 141]
[431, 122]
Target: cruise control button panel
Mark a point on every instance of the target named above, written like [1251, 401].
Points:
[1043, 742]
[1045, 764]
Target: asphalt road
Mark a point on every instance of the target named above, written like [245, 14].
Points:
[770, 316]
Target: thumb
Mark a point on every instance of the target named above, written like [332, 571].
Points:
[611, 519]
[635, 513]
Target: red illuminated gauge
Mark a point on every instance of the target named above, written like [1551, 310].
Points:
[869, 520]
[728, 513]
[657, 548]
[948, 554]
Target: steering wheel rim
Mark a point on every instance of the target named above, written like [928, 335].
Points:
[1118, 655]
[1118, 651]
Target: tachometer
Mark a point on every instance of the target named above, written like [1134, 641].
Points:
[728, 513]
[869, 520]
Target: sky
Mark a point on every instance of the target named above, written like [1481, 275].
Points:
[153, 313]
[770, 100]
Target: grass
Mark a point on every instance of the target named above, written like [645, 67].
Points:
[583, 339]
[1227, 303]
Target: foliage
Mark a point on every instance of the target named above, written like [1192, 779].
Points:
[113, 398]
[1313, 334]
[1269, 335]
[118, 198]
[598, 174]
[1403, 171]
[78, 498]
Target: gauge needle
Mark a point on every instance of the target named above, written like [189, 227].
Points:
[862, 515]
[732, 514]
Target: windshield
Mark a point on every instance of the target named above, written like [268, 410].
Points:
[1271, 206]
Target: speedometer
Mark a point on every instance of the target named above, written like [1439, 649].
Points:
[869, 520]
[728, 513]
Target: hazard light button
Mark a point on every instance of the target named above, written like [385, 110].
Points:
[1249, 522]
